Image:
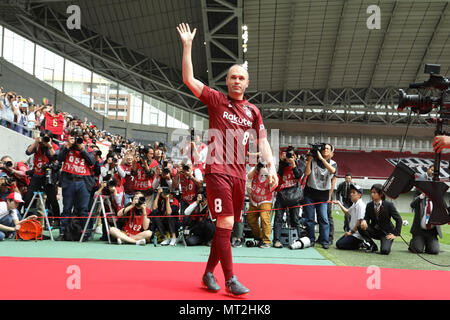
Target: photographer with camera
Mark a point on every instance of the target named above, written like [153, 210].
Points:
[198, 230]
[189, 180]
[321, 171]
[16, 172]
[261, 197]
[164, 176]
[143, 170]
[165, 204]
[6, 109]
[77, 179]
[128, 180]
[135, 228]
[44, 175]
[289, 192]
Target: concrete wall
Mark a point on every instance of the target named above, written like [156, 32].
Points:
[13, 144]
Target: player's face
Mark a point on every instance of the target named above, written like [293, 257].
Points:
[237, 80]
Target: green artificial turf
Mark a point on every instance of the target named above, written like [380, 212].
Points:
[95, 249]
[399, 258]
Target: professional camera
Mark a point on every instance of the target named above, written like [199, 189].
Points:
[79, 140]
[185, 168]
[259, 166]
[424, 104]
[49, 168]
[116, 148]
[7, 181]
[8, 164]
[290, 152]
[161, 146]
[142, 150]
[141, 201]
[402, 178]
[314, 148]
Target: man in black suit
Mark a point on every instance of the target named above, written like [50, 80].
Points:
[377, 222]
[343, 194]
[424, 234]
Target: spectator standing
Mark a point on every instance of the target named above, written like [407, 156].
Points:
[343, 195]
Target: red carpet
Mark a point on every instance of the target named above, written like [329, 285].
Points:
[48, 278]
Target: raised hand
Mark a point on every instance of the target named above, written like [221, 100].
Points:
[185, 33]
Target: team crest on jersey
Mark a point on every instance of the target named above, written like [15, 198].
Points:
[247, 111]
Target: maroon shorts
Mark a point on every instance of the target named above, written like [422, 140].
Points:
[226, 195]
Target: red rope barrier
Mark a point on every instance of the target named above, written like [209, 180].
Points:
[192, 215]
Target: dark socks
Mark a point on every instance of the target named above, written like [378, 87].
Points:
[221, 251]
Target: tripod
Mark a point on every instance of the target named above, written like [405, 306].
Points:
[37, 195]
[99, 199]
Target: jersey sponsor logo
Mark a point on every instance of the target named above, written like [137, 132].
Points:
[236, 120]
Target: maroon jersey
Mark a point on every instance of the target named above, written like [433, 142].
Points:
[232, 123]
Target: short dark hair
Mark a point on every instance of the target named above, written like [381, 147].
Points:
[378, 187]
[348, 174]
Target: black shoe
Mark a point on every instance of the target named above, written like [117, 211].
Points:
[325, 246]
[235, 288]
[210, 282]
[237, 244]
[373, 248]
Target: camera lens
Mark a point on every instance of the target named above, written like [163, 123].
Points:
[141, 200]
[9, 164]
[165, 171]
[46, 139]
[79, 140]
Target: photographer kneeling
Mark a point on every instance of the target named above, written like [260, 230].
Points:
[166, 205]
[198, 230]
[135, 228]
[289, 193]
[45, 171]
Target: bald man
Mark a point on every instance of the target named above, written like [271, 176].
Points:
[232, 121]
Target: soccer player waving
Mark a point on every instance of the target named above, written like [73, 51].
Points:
[232, 122]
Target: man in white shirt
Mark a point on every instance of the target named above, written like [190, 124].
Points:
[352, 240]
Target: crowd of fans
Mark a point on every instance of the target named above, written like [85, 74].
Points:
[155, 197]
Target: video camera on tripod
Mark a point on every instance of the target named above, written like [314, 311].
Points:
[402, 179]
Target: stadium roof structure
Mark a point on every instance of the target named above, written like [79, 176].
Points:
[318, 61]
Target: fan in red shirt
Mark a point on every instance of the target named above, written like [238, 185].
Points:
[233, 121]
[55, 123]
[136, 224]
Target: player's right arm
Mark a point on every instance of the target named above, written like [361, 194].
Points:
[196, 86]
